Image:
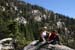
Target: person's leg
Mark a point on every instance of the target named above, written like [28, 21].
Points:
[40, 45]
[57, 40]
[53, 42]
[43, 38]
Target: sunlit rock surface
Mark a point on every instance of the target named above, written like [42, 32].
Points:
[49, 47]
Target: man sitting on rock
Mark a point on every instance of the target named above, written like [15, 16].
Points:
[53, 37]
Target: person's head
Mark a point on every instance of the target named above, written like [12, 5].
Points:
[44, 28]
[53, 30]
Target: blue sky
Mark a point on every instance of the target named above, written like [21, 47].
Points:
[65, 7]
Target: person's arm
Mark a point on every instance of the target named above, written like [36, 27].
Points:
[49, 34]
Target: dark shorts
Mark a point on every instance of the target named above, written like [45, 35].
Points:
[55, 40]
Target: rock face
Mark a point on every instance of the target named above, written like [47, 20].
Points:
[61, 47]
[4, 45]
[32, 46]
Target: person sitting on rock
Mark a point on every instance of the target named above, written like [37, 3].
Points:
[44, 34]
[53, 37]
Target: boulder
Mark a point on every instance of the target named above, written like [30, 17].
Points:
[32, 46]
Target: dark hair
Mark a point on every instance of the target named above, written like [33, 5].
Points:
[53, 30]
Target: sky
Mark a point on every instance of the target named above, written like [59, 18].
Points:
[65, 7]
